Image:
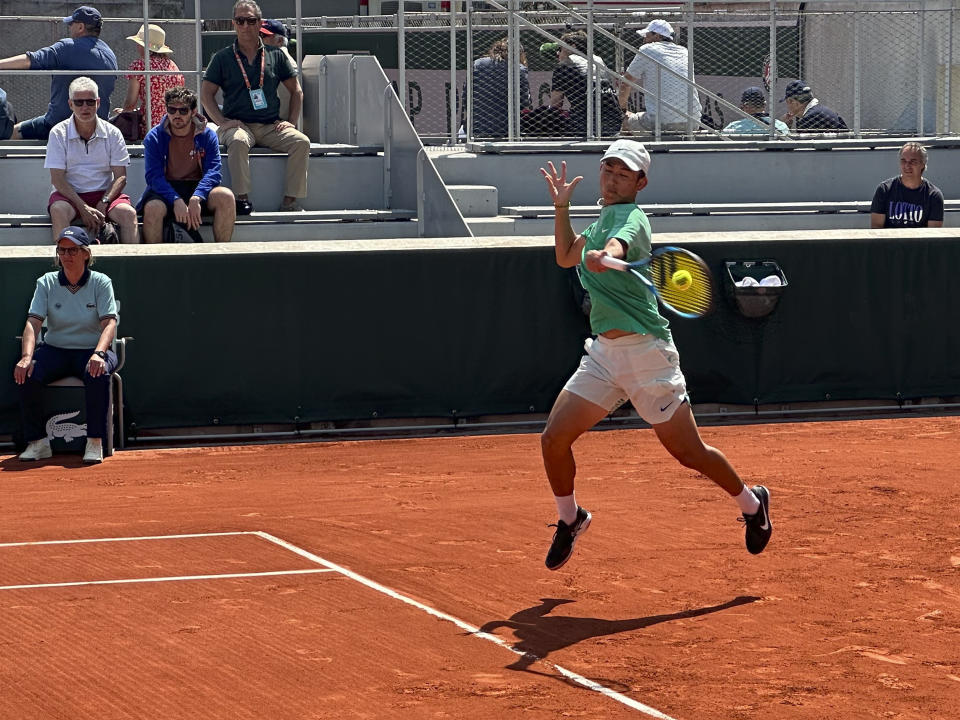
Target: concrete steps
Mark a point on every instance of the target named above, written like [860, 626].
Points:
[476, 201]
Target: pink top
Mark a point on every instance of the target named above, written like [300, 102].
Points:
[159, 84]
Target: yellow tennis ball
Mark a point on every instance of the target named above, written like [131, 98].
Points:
[681, 279]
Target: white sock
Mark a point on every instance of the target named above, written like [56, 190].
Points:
[567, 508]
[749, 505]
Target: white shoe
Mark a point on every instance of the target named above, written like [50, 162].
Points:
[94, 451]
[37, 450]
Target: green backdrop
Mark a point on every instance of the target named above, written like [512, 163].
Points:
[270, 337]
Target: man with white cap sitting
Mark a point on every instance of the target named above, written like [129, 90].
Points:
[671, 98]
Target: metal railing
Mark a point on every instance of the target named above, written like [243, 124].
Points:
[887, 68]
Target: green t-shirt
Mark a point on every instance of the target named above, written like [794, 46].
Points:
[224, 72]
[618, 300]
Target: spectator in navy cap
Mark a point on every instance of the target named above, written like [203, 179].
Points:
[83, 50]
[274, 30]
[273, 33]
[806, 113]
[80, 310]
[754, 102]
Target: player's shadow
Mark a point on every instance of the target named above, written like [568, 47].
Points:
[538, 633]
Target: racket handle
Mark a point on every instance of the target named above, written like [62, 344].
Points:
[614, 263]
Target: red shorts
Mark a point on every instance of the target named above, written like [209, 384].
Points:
[90, 198]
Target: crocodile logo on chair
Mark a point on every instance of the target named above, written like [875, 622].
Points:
[56, 428]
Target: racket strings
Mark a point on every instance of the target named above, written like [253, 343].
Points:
[693, 298]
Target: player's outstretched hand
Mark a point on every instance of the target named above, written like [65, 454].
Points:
[560, 190]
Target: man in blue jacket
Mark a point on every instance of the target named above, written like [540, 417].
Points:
[83, 50]
[182, 165]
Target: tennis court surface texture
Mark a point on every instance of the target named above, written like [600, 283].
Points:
[404, 579]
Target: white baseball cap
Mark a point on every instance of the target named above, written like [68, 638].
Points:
[658, 26]
[633, 154]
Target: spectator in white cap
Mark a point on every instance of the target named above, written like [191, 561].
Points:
[633, 356]
[159, 84]
[677, 101]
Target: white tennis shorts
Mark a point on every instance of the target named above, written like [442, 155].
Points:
[641, 368]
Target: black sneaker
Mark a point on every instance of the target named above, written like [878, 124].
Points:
[564, 538]
[759, 528]
[244, 206]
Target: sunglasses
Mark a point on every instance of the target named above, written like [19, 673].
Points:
[177, 110]
[247, 20]
[80, 102]
[68, 251]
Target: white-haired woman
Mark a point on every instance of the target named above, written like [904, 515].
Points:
[81, 314]
[159, 84]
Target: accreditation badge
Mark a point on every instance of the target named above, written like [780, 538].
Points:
[258, 99]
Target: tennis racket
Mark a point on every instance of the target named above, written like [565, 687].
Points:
[680, 280]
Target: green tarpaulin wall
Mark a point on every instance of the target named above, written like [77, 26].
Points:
[270, 337]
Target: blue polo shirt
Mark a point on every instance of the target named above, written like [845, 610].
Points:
[82, 53]
[73, 318]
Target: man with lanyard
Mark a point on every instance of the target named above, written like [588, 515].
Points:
[248, 73]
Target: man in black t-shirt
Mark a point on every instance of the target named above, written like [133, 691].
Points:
[908, 200]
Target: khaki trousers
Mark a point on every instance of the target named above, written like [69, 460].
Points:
[291, 141]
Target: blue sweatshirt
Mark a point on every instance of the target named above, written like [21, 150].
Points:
[156, 150]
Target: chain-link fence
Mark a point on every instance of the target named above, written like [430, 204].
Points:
[883, 68]
[30, 94]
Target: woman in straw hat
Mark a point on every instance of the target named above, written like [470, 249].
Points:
[136, 84]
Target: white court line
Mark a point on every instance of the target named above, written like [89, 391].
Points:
[310, 571]
[579, 679]
[125, 539]
[79, 541]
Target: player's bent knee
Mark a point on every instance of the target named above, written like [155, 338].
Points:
[552, 442]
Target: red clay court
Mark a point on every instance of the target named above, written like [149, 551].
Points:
[405, 579]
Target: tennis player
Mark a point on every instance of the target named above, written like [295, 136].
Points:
[633, 356]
